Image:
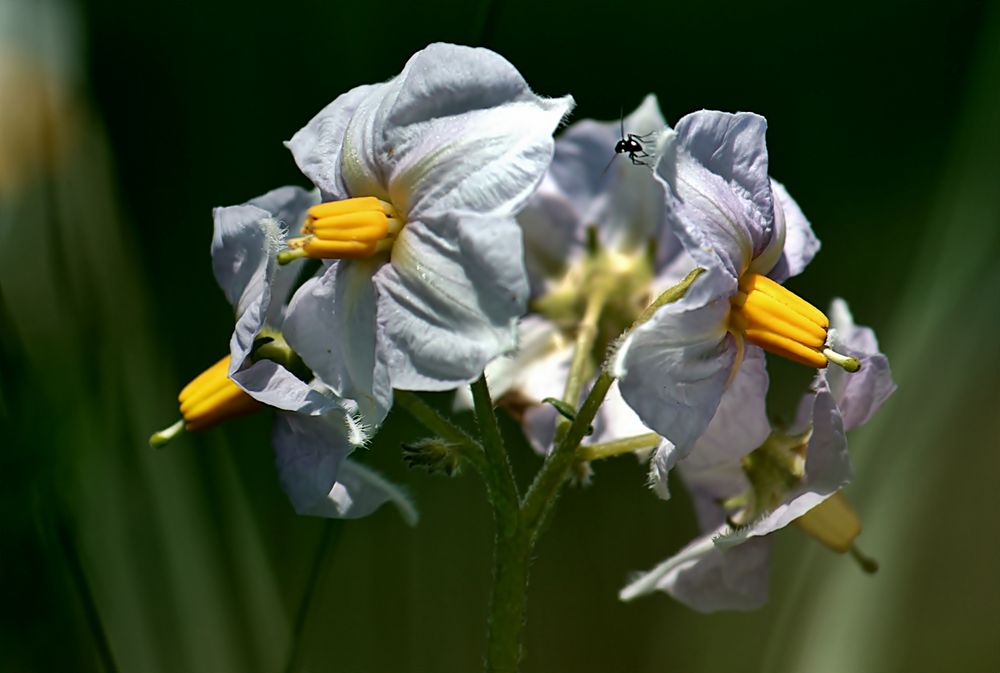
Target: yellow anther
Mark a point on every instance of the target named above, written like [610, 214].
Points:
[781, 322]
[755, 281]
[212, 397]
[833, 522]
[348, 229]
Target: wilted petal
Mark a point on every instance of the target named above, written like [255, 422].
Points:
[449, 301]
[311, 457]
[801, 244]
[330, 323]
[708, 578]
[673, 369]
[858, 395]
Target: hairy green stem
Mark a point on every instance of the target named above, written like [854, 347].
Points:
[540, 497]
[618, 447]
[498, 474]
[513, 547]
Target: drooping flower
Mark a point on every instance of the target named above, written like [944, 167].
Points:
[315, 431]
[733, 220]
[420, 178]
[591, 221]
[794, 476]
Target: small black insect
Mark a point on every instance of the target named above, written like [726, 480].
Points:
[631, 145]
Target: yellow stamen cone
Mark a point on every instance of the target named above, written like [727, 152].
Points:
[212, 397]
[833, 522]
[349, 229]
[765, 313]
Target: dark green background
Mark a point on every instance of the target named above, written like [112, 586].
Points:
[884, 124]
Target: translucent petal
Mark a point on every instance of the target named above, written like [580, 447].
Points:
[707, 578]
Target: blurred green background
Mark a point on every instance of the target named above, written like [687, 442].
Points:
[121, 126]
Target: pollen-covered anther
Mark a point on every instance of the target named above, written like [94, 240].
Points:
[781, 322]
[350, 229]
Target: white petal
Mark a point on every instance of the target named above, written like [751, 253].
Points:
[288, 206]
[459, 128]
[616, 419]
[244, 245]
[534, 371]
[554, 235]
[828, 469]
[673, 369]
[330, 323]
[311, 457]
[739, 426]
[707, 578]
[858, 395]
[449, 301]
[801, 244]
[317, 147]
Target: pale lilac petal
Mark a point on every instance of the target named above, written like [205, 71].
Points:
[311, 457]
[707, 578]
[330, 323]
[739, 426]
[449, 301]
[858, 395]
[801, 244]
[713, 221]
[733, 148]
[673, 369]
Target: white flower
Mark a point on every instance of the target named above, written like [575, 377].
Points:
[744, 229]
[420, 177]
[314, 431]
[790, 477]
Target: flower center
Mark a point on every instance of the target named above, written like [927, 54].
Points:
[779, 321]
[773, 469]
[349, 229]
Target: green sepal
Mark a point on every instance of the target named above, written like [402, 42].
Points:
[435, 455]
